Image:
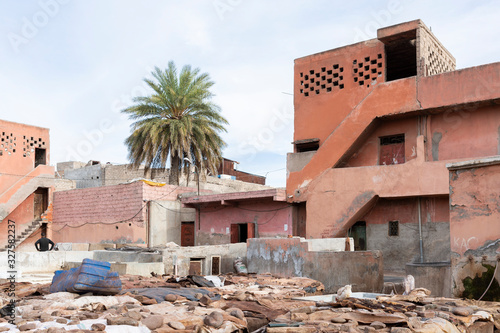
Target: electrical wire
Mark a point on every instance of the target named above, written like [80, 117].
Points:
[275, 213]
[491, 282]
[116, 222]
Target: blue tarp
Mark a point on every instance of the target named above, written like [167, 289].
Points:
[92, 276]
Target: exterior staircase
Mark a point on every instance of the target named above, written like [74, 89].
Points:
[41, 176]
[32, 228]
[24, 234]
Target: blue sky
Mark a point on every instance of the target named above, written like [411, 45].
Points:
[72, 65]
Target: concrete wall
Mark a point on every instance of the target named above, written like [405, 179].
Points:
[117, 174]
[272, 218]
[181, 256]
[38, 262]
[405, 248]
[165, 218]
[328, 244]
[89, 176]
[435, 277]
[475, 227]
[296, 161]
[290, 257]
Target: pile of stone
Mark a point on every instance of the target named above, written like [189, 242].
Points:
[160, 304]
[252, 303]
[416, 312]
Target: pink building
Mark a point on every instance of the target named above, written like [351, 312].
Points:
[26, 181]
[235, 217]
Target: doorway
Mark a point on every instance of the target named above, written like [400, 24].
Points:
[40, 156]
[187, 233]
[40, 203]
[358, 233]
[240, 232]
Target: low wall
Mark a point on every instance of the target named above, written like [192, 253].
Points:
[335, 269]
[42, 262]
[182, 256]
[329, 244]
[435, 276]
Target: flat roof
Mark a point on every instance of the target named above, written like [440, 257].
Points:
[276, 194]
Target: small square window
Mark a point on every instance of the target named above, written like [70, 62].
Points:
[393, 228]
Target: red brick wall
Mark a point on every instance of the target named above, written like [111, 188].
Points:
[107, 214]
[90, 215]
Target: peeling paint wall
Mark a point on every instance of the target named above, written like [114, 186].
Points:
[470, 132]
[335, 269]
[475, 229]
[405, 248]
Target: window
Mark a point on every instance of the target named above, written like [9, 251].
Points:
[393, 228]
[216, 265]
[392, 149]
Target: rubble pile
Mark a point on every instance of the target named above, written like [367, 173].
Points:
[416, 312]
[160, 304]
[251, 303]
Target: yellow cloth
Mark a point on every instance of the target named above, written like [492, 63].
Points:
[153, 183]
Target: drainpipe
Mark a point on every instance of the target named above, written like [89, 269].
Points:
[420, 231]
[148, 227]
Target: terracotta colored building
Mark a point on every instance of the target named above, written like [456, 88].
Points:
[26, 182]
[376, 124]
[236, 217]
[228, 168]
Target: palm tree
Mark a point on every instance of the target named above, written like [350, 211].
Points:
[179, 121]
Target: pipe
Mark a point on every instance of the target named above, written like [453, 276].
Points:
[420, 230]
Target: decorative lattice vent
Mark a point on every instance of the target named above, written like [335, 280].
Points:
[322, 80]
[367, 70]
[7, 143]
[437, 63]
[30, 143]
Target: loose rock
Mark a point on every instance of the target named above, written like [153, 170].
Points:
[177, 325]
[153, 322]
[170, 298]
[27, 327]
[98, 327]
[214, 319]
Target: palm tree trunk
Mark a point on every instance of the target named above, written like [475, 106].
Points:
[175, 163]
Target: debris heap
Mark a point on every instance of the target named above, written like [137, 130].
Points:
[252, 303]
